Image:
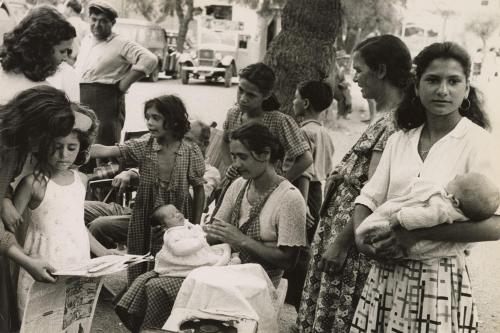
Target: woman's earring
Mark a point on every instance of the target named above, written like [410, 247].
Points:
[465, 108]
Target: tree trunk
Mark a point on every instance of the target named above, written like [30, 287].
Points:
[304, 49]
[184, 19]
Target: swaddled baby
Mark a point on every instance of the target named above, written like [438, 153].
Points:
[185, 246]
[469, 196]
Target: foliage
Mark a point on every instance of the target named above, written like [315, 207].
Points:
[483, 26]
[265, 7]
[304, 49]
[362, 17]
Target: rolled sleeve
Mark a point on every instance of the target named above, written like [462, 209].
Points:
[141, 58]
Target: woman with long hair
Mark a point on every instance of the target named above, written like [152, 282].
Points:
[337, 271]
[443, 135]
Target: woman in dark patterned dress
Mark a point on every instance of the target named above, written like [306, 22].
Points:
[337, 271]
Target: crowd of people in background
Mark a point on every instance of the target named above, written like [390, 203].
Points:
[280, 202]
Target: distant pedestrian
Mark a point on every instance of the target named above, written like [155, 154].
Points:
[108, 65]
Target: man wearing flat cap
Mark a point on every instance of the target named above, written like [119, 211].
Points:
[108, 64]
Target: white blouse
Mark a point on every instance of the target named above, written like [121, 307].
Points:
[467, 148]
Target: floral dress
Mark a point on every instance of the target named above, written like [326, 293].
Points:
[328, 302]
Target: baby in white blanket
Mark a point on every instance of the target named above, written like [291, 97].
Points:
[469, 196]
[185, 246]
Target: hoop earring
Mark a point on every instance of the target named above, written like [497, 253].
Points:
[468, 105]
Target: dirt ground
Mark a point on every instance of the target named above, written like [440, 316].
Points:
[484, 262]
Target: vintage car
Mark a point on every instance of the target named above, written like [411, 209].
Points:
[155, 39]
[214, 55]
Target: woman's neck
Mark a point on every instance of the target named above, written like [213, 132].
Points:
[390, 99]
[263, 182]
[439, 126]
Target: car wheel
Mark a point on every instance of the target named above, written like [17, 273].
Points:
[153, 77]
[184, 76]
[228, 76]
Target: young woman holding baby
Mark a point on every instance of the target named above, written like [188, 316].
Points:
[442, 136]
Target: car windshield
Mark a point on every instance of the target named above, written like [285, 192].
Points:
[216, 37]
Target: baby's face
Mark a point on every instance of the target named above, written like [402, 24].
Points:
[455, 185]
[172, 217]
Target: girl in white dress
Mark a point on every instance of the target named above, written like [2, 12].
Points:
[55, 195]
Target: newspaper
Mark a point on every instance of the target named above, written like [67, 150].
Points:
[65, 306]
[69, 304]
[104, 265]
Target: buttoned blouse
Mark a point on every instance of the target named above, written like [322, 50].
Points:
[467, 148]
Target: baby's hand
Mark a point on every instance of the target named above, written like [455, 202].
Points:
[393, 221]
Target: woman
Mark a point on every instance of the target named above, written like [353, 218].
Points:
[262, 217]
[255, 101]
[33, 50]
[441, 118]
[337, 271]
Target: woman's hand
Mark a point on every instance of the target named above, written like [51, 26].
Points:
[40, 269]
[334, 257]
[226, 233]
[232, 173]
[10, 216]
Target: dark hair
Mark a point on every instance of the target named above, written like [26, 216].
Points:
[86, 138]
[256, 137]
[35, 115]
[75, 5]
[174, 111]
[318, 93]
[411, 113]
[388, 51]
[263, 77]
[29, 47]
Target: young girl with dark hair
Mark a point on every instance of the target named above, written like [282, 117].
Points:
[168, 165]
[445, 139]
[337, 271]
[54, 193]
[255, 101]
[262, 217]
[31, 119]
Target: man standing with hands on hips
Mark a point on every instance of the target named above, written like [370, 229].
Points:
[108, 64]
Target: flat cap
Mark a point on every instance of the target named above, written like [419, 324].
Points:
[104, 7]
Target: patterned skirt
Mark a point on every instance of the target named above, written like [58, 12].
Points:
[149, 301]
[412, 296]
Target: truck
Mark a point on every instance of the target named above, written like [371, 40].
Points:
[226, 37]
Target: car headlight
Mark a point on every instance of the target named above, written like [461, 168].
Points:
[193, 54]
[218, 56]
